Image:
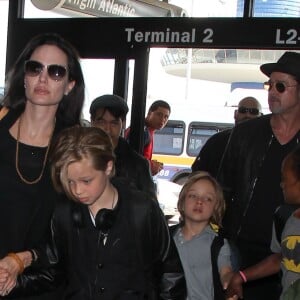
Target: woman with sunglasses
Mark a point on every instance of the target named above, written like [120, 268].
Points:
[45, 93]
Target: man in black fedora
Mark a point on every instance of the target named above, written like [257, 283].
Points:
[108, 112]
[250, 173]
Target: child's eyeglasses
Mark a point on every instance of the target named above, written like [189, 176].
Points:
[244, 110]
[279, 86]
[35, 68]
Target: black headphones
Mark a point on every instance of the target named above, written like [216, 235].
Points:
[77, 215]
[104, 218]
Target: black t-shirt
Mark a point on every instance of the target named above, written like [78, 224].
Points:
[267, 195]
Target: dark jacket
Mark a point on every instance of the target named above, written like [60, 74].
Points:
[211, 154]
[240, 169]
[131, 165]
[250, 176]
[153, 255]
[216, 246]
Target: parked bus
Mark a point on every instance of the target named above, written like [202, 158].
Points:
[179, 142]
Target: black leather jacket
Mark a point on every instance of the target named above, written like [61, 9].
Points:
[247, 148]
[156, 255]
[133, 166]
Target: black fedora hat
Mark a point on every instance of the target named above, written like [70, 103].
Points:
[288, 63]
[113, 102]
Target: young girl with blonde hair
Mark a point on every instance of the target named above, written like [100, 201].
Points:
[205, 255]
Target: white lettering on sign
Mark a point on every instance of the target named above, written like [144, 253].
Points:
[166, 36]
[83, 4]
[289, 37]
[107, 6]
[209, 34]
[116, 9]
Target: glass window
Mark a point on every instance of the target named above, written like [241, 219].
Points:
[199, 133]
[276, 8]
[208, 87]
[99, 78]
[170, 139]
[272, 8]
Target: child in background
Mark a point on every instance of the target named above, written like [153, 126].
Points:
[204, 254]
[286, 252]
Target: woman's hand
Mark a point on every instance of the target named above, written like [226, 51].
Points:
[9, 270]
[11, 266]
[4, 274]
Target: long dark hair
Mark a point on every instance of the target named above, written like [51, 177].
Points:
[69, 109]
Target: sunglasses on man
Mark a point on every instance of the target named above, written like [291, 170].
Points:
[244, 110]
[278, 85]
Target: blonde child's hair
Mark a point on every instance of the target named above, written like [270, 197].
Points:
[219, 210]
[73, 145]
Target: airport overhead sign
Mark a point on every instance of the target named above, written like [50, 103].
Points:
[112, 8]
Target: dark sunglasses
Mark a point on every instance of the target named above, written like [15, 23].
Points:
[252, 111]
[35, 68]
[279, 86]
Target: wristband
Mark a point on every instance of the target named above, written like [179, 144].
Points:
[18, 261]
[33, 254]
[242, 274]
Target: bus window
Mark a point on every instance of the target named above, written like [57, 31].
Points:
[170, 139]
[197, 138]
[199, 133]
[177, 147]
